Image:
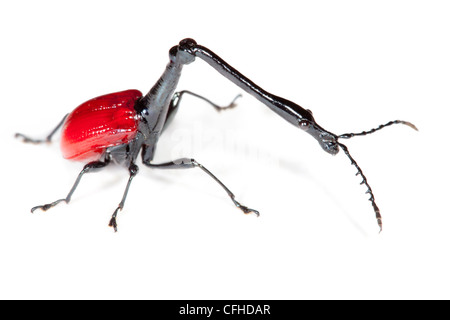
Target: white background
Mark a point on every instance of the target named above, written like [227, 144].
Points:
[355, 64]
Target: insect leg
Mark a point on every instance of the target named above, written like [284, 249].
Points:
[47, 139]
[176, 99]
[133, 169]
[178, 95]
[186, 163]
[92, 166]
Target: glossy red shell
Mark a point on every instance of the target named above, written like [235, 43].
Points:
[99, 123]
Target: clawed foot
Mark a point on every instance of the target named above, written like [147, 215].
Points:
[113, 221]
[231, 105]
[45, 207]
[30, 140]
[245, 209]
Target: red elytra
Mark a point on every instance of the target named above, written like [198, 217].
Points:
[99, 123]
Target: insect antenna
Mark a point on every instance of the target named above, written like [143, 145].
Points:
[364, 181]
[351, 135]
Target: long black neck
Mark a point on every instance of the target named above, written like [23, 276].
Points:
[285, 108]
[154, 105]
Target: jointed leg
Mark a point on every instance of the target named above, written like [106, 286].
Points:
[87, 168]
[176, 99]
[186, 163]
[178, 95]
[133, 172]
[49, 137]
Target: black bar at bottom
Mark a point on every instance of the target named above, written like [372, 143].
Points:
[227, 309]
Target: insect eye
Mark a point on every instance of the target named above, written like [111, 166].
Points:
[304, 124]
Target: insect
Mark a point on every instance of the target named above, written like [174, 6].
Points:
[116, 127]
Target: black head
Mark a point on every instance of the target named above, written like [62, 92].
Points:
[330, 143]
[327, 140]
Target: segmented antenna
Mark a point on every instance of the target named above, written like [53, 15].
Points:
[364, 181]
[350, 135]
